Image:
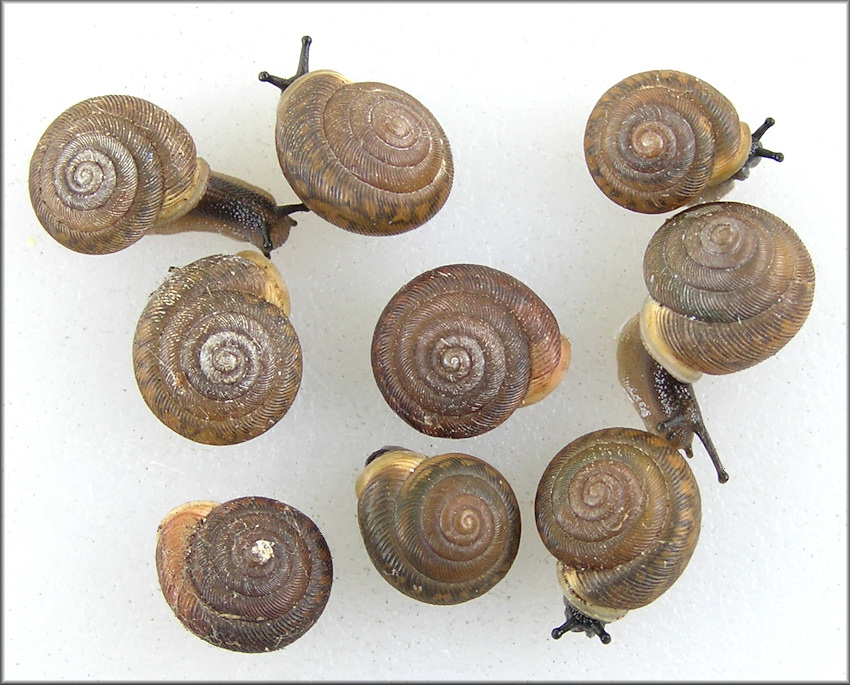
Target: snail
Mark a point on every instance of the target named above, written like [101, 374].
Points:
[620, 510]
[442, 530]
[114, 167]
[250, 575]
[366, 157]
[215, 355]
[459, 348]
[729, 285]
[658, 139]
[668, 407]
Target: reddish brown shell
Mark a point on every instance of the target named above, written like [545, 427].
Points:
[458, 349]
[366, 157]
[250, 575]
[215, 355]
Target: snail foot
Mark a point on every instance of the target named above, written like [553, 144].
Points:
[577, 622]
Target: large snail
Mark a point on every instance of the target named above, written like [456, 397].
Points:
[366, 157]
[114, 167]
[250, 575]
[729, 285]
[620, 510]
[658, 139]
[443, 529]
[215, 355]
[460, 347]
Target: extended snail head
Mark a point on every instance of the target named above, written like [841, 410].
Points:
[657, 140]
[366, 157]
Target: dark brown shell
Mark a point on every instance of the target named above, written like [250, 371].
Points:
[458, 349]
[657, 139]
[109, 168]
[442, 530]
[250, 575]
[620, 509]
[215, 355]
[366, 157]
[730, 285]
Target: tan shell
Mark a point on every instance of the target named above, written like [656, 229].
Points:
[620, 509]
[109, 168]
[657, 139]
[459, 348]
[250, 575]
[730, 284]
[215, 355]
[366, 157]
[442, 530]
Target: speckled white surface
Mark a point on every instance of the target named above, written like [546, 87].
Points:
[89, 471]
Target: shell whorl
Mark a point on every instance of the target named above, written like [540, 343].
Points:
[109, 168]
[655, 140]
[250, 575]
[215, 355]
[620, 509]
[459, 348]
[366, 157]
[730, 284]
[442, 530]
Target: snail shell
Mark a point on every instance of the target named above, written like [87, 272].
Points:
[250, 575]
[657, 139]
[620, 510]
[215, 355]
[460, 347]
[110, 167]
[442, 530]
[729, 285]
[366, 157]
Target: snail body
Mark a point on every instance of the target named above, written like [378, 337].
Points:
[442, 530]
[729, 285]
[459, 348]
[215, 355]
[112, 168]
[366, 157]
[620, 510]
[250, 575]
[658, 139]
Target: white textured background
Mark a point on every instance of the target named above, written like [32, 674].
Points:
[89, 472]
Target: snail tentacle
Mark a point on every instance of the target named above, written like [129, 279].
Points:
[303, 68]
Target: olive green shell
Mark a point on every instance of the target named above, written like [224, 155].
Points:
[442, 530]
[366, 157]
[109, 168]
[250, 575]
[733, 284]
[620, 509]
[657, 139]
[215, 355]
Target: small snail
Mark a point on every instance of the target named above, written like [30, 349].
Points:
[460, 347]
[113, 167]
[442, 530]
[656, 140]
[668, 407]
[729, 285]
[366, 157]
[250, 575]
[214, 353]
[620, 510]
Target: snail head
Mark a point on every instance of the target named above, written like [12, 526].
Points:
[303, 68]
[577, 622]
[757, 150]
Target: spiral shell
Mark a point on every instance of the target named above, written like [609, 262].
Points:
[460, 347]
[657, 139]
[366, 157]
[730, 284]
[442, 530]
[250, 575]
[620, 510]
[109, 168]
[215, 355]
